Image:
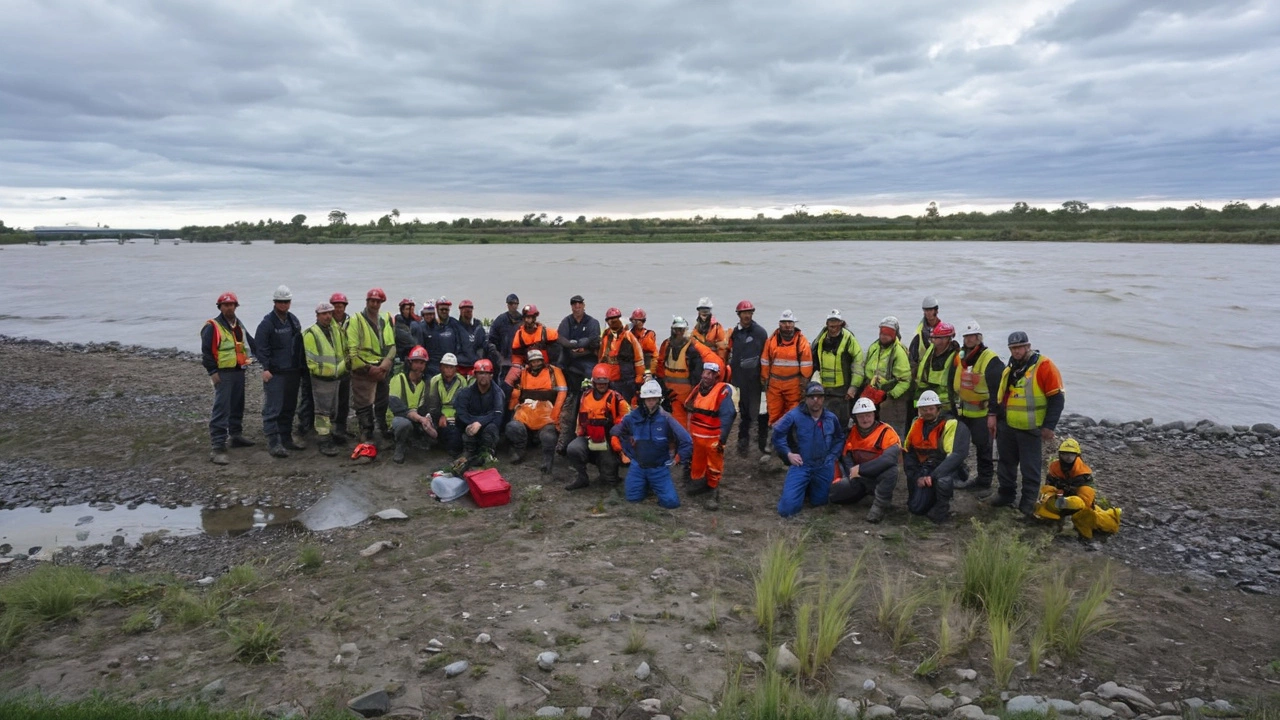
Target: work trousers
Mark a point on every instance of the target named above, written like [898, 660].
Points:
[482, 442]
[943, 490]
[449, 437]
[227, 417]
[369, 397]
[781, 396]
[519, 435]
[625, 388]
[708, 463]
[279, 400]
[680, 393]
[812, 481]
[981, 438]
[893, 411]
[306, 403]
[748, 404]
[579, 454]
[640, 481]
[344, 405]
[880, 487]
[1019, 450]
[324, 401]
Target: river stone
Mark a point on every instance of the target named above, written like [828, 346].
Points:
[642, 672]
[912, 705]
[1193, 703]
[1130, 697]
[483, 639]
[875, 712]
[213, 689]
[1027, 703]
[966, 674]
[754, 658]
[1264, 429]
[786, 661]
[1222, 707]
[651, 705]
[374, 703]
[940, 704]
[391, 514]
[969, 712]
[1064, 707]
[1122, 710]
[456, 669]
[547, 660]
[376, 548]
[846, 708]
[284, 711]
[549, 711]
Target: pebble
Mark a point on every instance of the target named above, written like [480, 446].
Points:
[642, 672]
[391, 514]
[539, 584]
[651, 705]
[483, 638]
[374, 703]
[940, 704]
[846, 708]
[1091, 709]
[786, 661]
[912, 705]
[966, 674]
[754, 658]
[969, 712]
[1027, 703]
[549, 711]
[456, 669]
[547, 660]
[376, 548]
[875, 712]
[214, 689]
[1134, 699]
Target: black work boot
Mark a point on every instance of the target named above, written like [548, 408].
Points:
[697, 488]
[275, 449]
[218, 455]
[339, 434]
[998, 499]
[238, 441]
[548, 459]
[398, 457]
[327, 447]
[744, 446]
[286, 440]
[517, 455]
[712, 502]
[876, 513]
[365, 417]
[579, 482]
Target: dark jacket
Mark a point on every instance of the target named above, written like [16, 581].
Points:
[437, 338]
[745, 346]
[278, 343]
[206, 342]
[575, 335]
[502, 331]
[473, 341]
[646, 438]
[471, 405]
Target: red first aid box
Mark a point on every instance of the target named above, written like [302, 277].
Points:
[488, 488]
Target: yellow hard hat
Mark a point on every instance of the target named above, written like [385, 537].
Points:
[1069, 446]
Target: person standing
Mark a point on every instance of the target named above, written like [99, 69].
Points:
[579, 340]
[933, 457]
[647, 338]
[226, 349]
[924, 331]
[708, 331]
[680, 363]
[326, 349]
[785, 366]
[975, 371]
[404, 320]
[479, 409]
[711, 411]
[503, 330]
[647, 434]
[809, 437]
[473, 341]
[443, 336]
[371, 344]
[620, 350]
[1030, 398]
[338, 432]
[278, 342]
[536, 403]
[746, 342]
[869, 463]
[934, 370]
[837, 357]
[888, 374]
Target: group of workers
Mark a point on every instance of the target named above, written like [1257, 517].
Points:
[845, 420]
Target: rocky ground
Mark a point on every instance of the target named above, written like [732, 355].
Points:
[1197, 560]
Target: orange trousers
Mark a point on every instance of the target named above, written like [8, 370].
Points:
[680, 393]
[781, 396]
[708, 463]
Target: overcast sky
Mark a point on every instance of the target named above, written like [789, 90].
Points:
[170, 112]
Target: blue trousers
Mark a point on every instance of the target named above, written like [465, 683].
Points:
[811, 480]
[279, 400]
[658, 479]
[228, 407]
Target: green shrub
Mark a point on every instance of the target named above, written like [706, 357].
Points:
[255, 643]
[53, 593]
[310, 557]
[777, 582]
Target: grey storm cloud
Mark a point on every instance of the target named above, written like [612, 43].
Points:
[480, 104]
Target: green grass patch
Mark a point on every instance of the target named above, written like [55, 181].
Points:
[635, 640]
[774, 697]
[240, 578]
[310, 558]
[777, 582]
[823, 619]
[13, 625]
[103, 708]
[255, 643]
[1055, 598]
[138, 622]
[1091, 615]
[994, 569]
[1002, 663]
[53, 593]
[896, 612]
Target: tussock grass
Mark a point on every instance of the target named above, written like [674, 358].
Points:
[636, 637]
[957, 626]
[899, 603]
[255, 643]
[777, 582]
[823, 619]
[138, 622]
[190, 610]
[1055, 598]
[13, 625]
[240, 578]
[102, 708]
[310, 557]
[53, 593]
[994, 569]
[125, 590]
[774, 697]
[1091, 615]
[1002, 663]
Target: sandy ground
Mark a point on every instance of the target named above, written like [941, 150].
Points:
[572, 573]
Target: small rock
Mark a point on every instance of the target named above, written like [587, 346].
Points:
[456, 669]
[659, 573]
[374, 703]
[213, 689]
[376, 548]
[483, 639]
[1132, 698]
[435, 643]
[661, 717]
[786, 661]
[1225, 708]
[875, 712]
[391, 514]
[1027, 703]
[966, 674]
[1122, 710]
[549, 711]
[284, 711]
[642, 672]
[1064, 707]
[868, 685]
[584, 712]
[912, 705]
[539, 584]
[651, 705]
[1193, 703]
[940, 704]
[547, 660]
[969, 712]
[754, 658]
[846, 708]
[349, 649]
[117, 541]
[113, 663]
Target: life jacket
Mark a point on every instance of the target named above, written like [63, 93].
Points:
[937, 445]
[969, 386]
[228, 345]
[704, 410]
[714, 339]
[864, 449]
[598, 415]
[611, 345]
[775, 363]
[830, 364]
[648, 340]
[446, 393]
[523, 341]
[546, 390]
[369, 345]
[403, 388]
[326, 357]
[927, 378]
[674, 369]
[1024, 400]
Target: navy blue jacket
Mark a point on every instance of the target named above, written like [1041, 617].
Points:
[470, 405]
[745, 346]
[646, 438]
[472, 341]
[502, 331]
[818, 442]
[574, 335]
[278, 343]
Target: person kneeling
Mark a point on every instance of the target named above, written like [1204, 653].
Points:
[646, 434]
[406, 404]
[935, 449]
[808, 436]
[599, 409]
[870, 462]
[478, 411]
[1070, 491]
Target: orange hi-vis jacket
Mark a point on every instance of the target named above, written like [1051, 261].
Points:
[864, 449]
[714, 338]
[613, 352]
[525, 340]
[786, 360]
[648, 340]
[547, 388]
[598, 415]
[704, 410]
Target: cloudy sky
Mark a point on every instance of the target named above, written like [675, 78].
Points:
[167, 112]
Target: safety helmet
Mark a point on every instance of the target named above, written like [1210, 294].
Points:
[482, 366]
[368, 450]
[712, 366]
[612, 313]
[338, 298]
[324, 307]
[443, 301]
[890, 321]
[600, 372]
[746, 306]
[407, 301]
[1070, 445]
[418, 353]
[929, 303]
[376, 294]
[449, 359]
[835, 315]
[428, 307]
[928, 398]
[815, 388]
[971, 328]
[639, 314]
[529, 310]
[787, 316]
[466, 304]
[228, 297]
[534, 354]
[679, 322]
[704, 302]
[1018, 337]
[282, 294]
[863, 405]
[650, 389]
[943, 329]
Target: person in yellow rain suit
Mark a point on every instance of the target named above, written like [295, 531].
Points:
[1069, 491]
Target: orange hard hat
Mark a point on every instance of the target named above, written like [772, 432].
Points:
[530, 309]
[612, 313]
[482, 365]
[600, 372]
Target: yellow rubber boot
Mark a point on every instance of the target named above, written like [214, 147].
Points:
[1107, 521]
[1085, 523]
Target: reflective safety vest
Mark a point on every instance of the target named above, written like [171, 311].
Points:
[413, 395]
[326, 353]
[539, 339]
[704, 410]
[714, 339]
[864, 449]
[446, 393]
[675, 368]
[648, 340]
[887, 369]
[831, 364]
[611, 345]
[786, 360]
[598, 415]
[937, 445]
[368, 345]
[1024, 400]
[936, 380]
[969, 386]
[228, 347]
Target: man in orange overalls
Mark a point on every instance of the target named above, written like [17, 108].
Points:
[785, 366]
[679, 367]
[711, 413]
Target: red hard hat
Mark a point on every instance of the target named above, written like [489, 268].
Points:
[368, 450]
[943, 329]
[467, 303]
[336, 298]
[530, 310]
[612, 313]
[638, 314]
[228, 297]
[376, 294]
[746, 306]
[482, 365]
[419, 353]
[444, 301]
[600, 372]
[408, 301]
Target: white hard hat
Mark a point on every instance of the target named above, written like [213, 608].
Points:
[864, 405]
[928, 398]
[787, 316]
[890, 321]
[971, 328]
[712, 366]
[651, 389]
[282, 294]
[324, 307]
[449, 359]
[679, 322]
[534, 354]
[929, 302]
[834, 315]
[704, 302]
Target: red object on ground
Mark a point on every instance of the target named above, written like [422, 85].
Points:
[488, 489]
